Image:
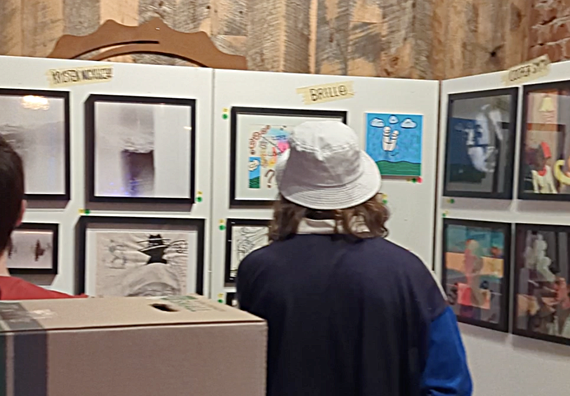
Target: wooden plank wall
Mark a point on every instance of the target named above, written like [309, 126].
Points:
[392, 38]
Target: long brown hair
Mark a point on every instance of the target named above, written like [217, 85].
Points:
[373, 213]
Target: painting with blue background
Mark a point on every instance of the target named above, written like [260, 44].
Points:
[457, 235]
[394, 141]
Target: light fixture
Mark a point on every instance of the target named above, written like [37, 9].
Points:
[34, 102]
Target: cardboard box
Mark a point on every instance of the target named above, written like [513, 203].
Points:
[187, 346]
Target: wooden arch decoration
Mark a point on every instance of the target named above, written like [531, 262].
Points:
[154, 37]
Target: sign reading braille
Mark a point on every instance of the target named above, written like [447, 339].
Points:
[326, 92]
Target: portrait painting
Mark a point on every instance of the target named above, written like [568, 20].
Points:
[542, 272]
[142, 257]
[140, 149]
[243, 237]
[545, 148]
[394, 141]
[480, 143]
[475, 271]
[33, 249]
[258, 138]
[36, 125]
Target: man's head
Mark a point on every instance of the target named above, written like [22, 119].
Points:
[324, 174]
[11, 192]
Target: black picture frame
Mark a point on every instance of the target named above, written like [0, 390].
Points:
[65, 95]
[81, 245]
[90, 141]
[511, 127]
[230, 223]
[54, 229]
[527, 90]
[502, 324]
[230, 298]
[520, 235]
[262, 111]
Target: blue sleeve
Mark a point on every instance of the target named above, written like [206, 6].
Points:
[446, 371]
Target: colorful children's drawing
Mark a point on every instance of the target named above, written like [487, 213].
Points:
[394, 141]
[266, 144]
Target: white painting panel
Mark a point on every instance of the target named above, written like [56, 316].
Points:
[142, 150]
[261, 139]
[35, 127]
[31, 250]
[142, 262]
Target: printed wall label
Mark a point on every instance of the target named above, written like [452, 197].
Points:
[326, 92]
[528, 71]
[79, 75]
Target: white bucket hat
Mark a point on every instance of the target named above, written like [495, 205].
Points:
[324, 168]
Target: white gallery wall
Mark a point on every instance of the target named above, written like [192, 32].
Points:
[504, 364]
[411, 204]
[128, 80]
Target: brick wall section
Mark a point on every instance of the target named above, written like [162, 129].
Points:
[550, 29]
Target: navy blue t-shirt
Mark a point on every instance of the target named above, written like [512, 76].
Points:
[346, 316]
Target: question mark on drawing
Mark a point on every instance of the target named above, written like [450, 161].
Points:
[270, 178]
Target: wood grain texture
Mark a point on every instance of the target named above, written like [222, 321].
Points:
[517, 36]
[42, 26]
[456, 33]
[398, 40]
[297, 41]
[10, 27]
[229, 20]
[439, 30]
[424, 12]
[333, 27]
[166, 10]
[81, 17]
[265, 40]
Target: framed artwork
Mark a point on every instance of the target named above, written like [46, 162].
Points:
[36, 124]
[140, 149]
[480, 144]
[33, 249]
[231, 300]
[545, 143]
[258, 137]
[136, 256]
[242, 238]
[476, 271]
[394, 141]
[542, 269]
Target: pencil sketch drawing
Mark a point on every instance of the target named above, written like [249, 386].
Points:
[141, 264]
[246, 239]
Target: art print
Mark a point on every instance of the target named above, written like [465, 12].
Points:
[394, 141]
[231, 300]
[475, 272]
[33, 249]
[140, 149]
[142, 257]
[36, 124]
[259, 137]
[480, 142]
[243, 237]
[542, 271]
[545, 147]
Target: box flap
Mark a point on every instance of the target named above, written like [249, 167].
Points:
[116, 312]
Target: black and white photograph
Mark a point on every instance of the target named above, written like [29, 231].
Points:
[36, 124]
[141, 257]
[242, 238]
[33, 249]
[480, 144]
[140, 149]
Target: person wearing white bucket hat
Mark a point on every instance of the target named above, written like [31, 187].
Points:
[349, 312]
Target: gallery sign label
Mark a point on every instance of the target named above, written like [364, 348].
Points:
[528, 71]
[79, 75]
[326, 92]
